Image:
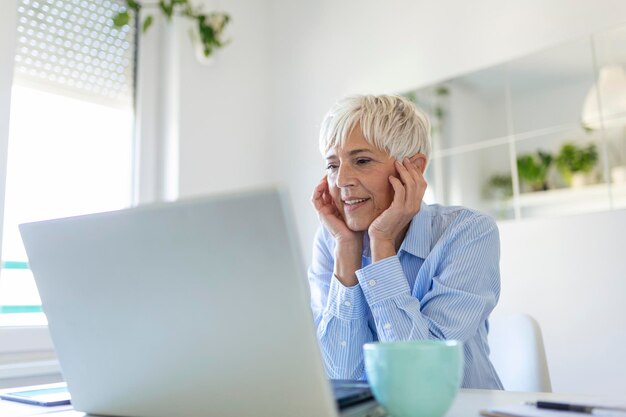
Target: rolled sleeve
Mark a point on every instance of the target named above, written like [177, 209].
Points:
[383, 280]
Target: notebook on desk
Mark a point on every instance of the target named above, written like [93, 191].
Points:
[192, 308]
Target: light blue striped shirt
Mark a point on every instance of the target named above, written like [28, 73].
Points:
[443, 284]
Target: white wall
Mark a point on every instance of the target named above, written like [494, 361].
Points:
[225, 107]
[569, 273]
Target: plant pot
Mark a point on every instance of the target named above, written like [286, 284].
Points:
[531, 187]
[618, 174]
[542, 186]
[581, 179]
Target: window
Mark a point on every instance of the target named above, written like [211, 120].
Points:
[71, 129]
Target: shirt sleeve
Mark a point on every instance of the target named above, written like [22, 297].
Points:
[340, 314]
[465, 277]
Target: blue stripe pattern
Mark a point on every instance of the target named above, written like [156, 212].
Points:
[443, 284]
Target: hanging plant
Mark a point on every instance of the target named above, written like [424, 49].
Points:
[209, 26]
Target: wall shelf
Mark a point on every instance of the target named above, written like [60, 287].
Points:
[485, 121]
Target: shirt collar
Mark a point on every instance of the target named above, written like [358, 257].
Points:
[418, 237]
[367, 252]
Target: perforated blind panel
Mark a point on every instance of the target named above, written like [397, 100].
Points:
[70, 47]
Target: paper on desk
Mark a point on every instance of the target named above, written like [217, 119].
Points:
[524, 410]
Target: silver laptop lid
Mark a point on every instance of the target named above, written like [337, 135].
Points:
[193, 308]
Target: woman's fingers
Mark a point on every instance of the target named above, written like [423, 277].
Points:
[318, 198]
[403, 167]
[415, 184]
[417, 174]
[399, 193]
[328, 200]
[407, 175]
[420, 182]
[322, 200]
[319, 187]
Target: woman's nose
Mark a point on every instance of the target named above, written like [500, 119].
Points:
[345, 176]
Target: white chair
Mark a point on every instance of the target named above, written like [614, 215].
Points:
[518, 354]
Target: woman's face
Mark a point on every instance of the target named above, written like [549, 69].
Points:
[358, 180]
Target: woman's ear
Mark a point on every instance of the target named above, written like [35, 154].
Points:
[419, 159]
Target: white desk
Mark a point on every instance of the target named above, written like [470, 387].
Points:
[470, 401]
[467, 404]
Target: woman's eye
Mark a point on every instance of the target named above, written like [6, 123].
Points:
[362, 161]
[331, 167]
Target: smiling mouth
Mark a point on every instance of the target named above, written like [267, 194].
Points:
[354, 203]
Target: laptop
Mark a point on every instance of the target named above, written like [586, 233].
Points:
[194, 308]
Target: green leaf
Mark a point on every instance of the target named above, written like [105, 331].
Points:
[207, 34]
[587, 128]
[167, 8]
[133, 5]
[573, 158]
[533, 169]
[121, 19]
[146, 23]
[442, 91]
[209, 26]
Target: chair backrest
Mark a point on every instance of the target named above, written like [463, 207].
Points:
[518, 354]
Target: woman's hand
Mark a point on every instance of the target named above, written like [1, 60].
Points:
[388, 230]
[329, 215]
[349, 244]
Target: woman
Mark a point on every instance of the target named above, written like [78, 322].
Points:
[386, 266]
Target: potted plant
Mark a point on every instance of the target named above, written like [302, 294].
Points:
[499, 187]
[576, 163]
[207, 33]
[532, 169]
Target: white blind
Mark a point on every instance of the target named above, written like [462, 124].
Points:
[70, 47]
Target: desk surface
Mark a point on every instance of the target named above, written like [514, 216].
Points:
[467, 404]
[470, 401]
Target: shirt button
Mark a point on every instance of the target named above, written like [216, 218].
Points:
[347, 303]
[343, 343]
[387, 326]
[372, 282]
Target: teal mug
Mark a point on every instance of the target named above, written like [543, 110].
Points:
[415, 378]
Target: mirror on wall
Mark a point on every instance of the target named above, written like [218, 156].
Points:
[542, 135]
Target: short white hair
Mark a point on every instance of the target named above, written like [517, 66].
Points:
[389, 123]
